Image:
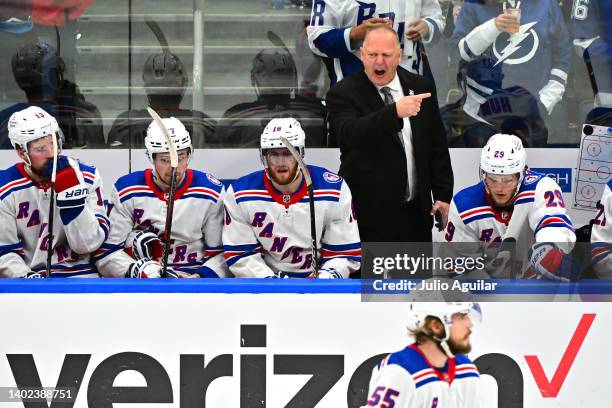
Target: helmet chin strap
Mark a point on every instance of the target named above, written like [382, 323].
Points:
[443, 342]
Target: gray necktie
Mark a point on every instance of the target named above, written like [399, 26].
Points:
[387, 94]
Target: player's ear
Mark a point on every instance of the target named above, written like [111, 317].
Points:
[436, 327]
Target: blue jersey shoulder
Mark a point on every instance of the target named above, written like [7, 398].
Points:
[251, 181]
[409, 359]
[9, 175]
[530, 181]
[324, 179]
[136, 178]
[471, 197]
[201, 179]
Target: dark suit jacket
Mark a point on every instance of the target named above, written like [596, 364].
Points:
[373, 160]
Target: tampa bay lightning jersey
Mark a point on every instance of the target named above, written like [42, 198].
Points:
[332, 20]
[601, 235]
[592, 25]
[24, 216]
[267, 233]
[137, 204]
[406, 380]
[538, 214]
[539, 52]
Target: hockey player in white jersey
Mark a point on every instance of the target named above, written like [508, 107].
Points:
[511, 202]
[139, 206]
[337, 29]
[601, 235]
[266, 229]
[433, 371]
[79, 221]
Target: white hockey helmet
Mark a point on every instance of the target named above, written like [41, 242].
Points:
[156, 142]
[444, 311]
[31, 124]
[503, 154]
[290, 128]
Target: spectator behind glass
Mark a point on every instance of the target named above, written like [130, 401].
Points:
[39, 72]
[274, 79]
[533, 48]
[592, 26]
[337, 29]
[486, 108]
[165, 79]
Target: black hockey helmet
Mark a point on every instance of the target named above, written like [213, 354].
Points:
[164, 74]
[273, 72]
[37, 67]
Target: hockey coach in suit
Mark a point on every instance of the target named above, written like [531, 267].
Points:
[394, 154]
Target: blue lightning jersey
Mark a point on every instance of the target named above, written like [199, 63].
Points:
[539, 52]
[592, 25]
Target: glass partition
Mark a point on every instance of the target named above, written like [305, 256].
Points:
[226, 67]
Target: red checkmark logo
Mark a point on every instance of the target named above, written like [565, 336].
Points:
[550, 389]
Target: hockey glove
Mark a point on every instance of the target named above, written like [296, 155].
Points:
[144, 268]
[328, 273]
[550, 262]
[71, 202]
[147, 245]
[66, 175]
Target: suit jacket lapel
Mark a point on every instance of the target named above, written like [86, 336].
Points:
[375, 102]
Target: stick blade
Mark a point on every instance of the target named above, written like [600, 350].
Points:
[299, 160]
[164, 129]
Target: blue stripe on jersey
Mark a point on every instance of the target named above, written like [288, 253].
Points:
[253, 198]
[15, 188]
[610, 184]
[105, 250]
[466, 375]
[324, 198]
[566, 223]
[524, 200]
[138, 194]
[5, 249]
[421, 383]
[235, 258]
[240, 248]
[199, 195]
[477, 217]
[342, 247]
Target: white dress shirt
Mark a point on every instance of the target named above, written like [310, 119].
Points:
[397, 92]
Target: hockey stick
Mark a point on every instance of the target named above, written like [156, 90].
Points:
[173, 165]
[157, 31]
[52, 203]
[313, 225]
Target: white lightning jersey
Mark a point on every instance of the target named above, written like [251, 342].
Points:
[601, 235]
[538, 215]
[331, 22]
[267, 233]
[24, 216]
[138, 204]
[406, 380]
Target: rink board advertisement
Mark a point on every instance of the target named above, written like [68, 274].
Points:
[262, 349]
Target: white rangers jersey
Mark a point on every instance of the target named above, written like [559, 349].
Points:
[331, 22]
[538, 215]
[138, 204]
[601, 235]
[267, 233]
[406, 380]
[24, 215]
